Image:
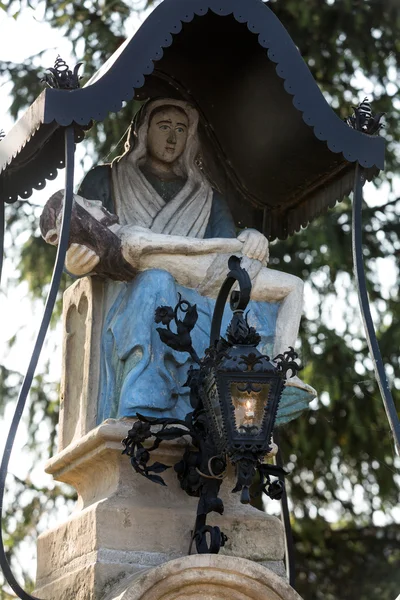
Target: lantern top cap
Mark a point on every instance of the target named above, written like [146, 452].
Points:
[271, 142]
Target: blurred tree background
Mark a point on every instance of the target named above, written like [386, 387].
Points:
[343, 482]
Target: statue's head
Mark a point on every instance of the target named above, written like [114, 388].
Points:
[163, 141]
[167, 133]
[166, 129]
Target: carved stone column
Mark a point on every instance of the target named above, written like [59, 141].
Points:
[82, 323]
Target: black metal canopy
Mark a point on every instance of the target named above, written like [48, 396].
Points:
[271, 143]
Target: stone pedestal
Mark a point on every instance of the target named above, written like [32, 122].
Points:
[124, 524]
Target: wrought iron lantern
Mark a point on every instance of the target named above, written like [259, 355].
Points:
[240, 387]
[235, 393]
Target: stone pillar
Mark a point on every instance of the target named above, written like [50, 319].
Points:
[124, 523]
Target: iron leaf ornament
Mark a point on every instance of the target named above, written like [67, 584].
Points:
[240, 332]
[181, 340]
[286, 362]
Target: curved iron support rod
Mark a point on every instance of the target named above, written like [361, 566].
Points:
[2, 229]
[290, 554]
[51, 298]
[239, 300]
[380, 374]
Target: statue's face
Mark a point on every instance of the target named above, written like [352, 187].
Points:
[167, 135]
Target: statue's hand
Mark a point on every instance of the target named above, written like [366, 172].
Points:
[80, 260]
[255, 245]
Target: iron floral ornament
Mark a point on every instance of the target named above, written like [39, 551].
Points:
[181, 340]
[234, 392]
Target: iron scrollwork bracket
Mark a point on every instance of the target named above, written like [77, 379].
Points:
[199, 472]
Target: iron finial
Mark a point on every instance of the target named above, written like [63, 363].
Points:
[61, 77]
[363, 120]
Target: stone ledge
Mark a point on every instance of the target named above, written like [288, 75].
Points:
[106, 435]
[95, 467]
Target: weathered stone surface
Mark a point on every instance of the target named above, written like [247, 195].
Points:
[124, 523]
[205, 577]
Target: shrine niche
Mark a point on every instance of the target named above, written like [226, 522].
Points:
[153, 220]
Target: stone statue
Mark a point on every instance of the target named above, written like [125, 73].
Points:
[152, 222]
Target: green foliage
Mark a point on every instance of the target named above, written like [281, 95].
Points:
[27, 504]
[359, 563]
[349, 433]
[9, 382]
[26, 84]
[340, 454]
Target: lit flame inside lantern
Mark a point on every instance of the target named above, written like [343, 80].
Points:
[249, 411]
[249, 406]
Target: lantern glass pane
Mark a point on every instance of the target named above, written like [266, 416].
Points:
[249, 403]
